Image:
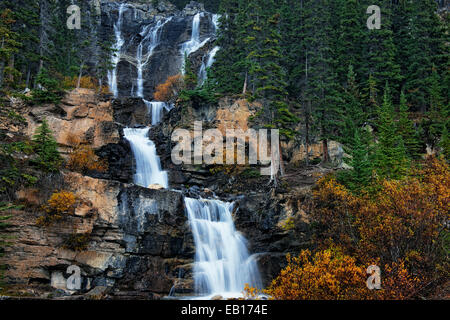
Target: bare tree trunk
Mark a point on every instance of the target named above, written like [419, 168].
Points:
[282, 170]
[244, 90]
[307, 132]
[100, 84]
[326, 156]
[41, 35]
[80, 75]
[11, 66]
[2, 65]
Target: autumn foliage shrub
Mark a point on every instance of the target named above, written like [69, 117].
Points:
[169, 89]
[60, 204]
[84, 159]
[325, 275]
[332, 275]
[85, 82]
[402, 228]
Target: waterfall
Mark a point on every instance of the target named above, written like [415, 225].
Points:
[194, 43]
[210, 58]
[215, 20]
[202, 75]
[153, 36]
[112, 74]
[222, 263]
[148, 165]
[155, 109]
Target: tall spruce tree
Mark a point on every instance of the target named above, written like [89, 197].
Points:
[360, 173]
[9, 46]
[420, 41]
[321, 87]
[227, 72]
[390, 155]
[379, 50]
[439, 111]
[444, 143]
[350, 39]
[46, 148]
[406, 129]
[353, 115]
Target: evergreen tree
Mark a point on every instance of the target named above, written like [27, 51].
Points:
[251, 45]
[9, 46]
[268, 75]
[46, 148]
[405, 128]
[351, 38]
[48, 90]
[104, 61]
[354, 137]
[190, 77]
[439, 111]
[390, 156]
[444, 143]
[353, 114]
[420, 41]
[227, 72]
[370, 97]
[321, 87]
[379, 50]
[361, 172]
[27, 24]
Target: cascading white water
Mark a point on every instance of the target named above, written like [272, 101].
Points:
[222, 263]
[155, 109]
[194, 43]
[215, 20]
[112, 74]
[152, 35]
[148, 165]
[208, 61]
[188, 47]
[202, 75]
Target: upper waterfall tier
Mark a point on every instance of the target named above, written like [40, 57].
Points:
[149, 43]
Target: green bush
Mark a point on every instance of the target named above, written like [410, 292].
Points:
[46, 148]
[50, 91]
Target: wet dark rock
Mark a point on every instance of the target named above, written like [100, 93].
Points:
[130, 112]
[120, 164]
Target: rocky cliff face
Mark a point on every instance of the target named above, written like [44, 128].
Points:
[138, 241]
[149, 42]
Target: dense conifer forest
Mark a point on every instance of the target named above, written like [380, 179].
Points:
[319, 75]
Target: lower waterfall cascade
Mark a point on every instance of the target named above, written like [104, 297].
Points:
[222, 263]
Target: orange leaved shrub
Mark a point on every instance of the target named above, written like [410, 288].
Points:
[332, 275]
[402, 228]
[60, 204]
[405, 219]
[168, 90]
[326, 275]
[84, 159]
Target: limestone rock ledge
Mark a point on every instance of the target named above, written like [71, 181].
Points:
[139, 243]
